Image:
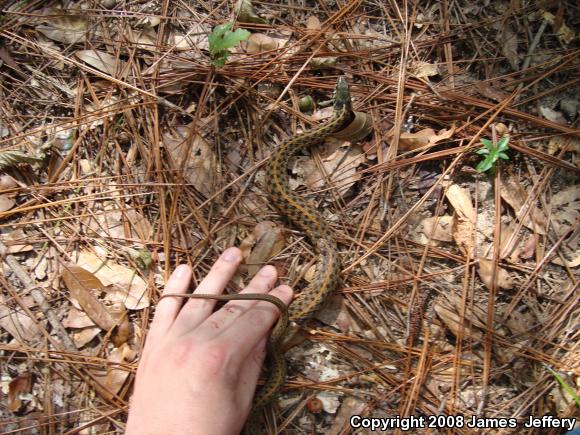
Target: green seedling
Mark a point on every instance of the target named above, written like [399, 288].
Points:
[221, 39]
[567, 388]
[492, 153]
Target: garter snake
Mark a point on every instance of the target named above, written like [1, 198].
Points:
[306, 218]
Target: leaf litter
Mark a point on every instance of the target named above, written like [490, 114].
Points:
[128, 152]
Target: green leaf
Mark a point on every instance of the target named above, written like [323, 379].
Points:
[567, 388]
[231, 39]
[484, 165]
[503, 156]
[483, 151]
[487, 143]
[502, 145]
[222, 38]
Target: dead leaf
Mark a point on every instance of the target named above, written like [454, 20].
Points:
[15, 241]
[245, 12]
[144, 39]
[448, 309]
[21, 384]
[77, 319]
[116, 374]
[351, 405]
[565, 207]
[260, 43]
[313, 23]
[200, 166]
[121, 283]
[340, 168]
[509, 242]
[463, 233]
[423, 69]
[423, 138]
[464, 229]
[18, 324]
[7, 200]
[68, 29]
[268, 242]
[520, 323]
[438, 228]
[83, 336]
[460, 199]
[81, 283]
[564, 33]
[114, 224]
[515, 195]
[101, 60]
[492, 93]
[560, 142]
[508, 40]
[485, 271]
[552, 115]
[124, 330]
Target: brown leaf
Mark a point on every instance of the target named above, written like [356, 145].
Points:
[101, 60]
[515, 195]
[428, 136]
[84, 335]
[448, 311]
[68, 29]
[7, 200]
[18, 324]
[460, 199]
[114, 224]
[80, 283]
[122, 283]
[198, 159]
[116, 374]
[313, 23]
[16, 241]
[464, 228]
[423, 69]
[509, 242]
[340, 166]
[259, 43]
[485, 272]
[508, 39]
[21, 384]
[124, 330]
[490, 92]
[438, 228]
[269, 241]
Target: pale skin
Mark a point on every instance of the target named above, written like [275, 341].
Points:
[199, 368]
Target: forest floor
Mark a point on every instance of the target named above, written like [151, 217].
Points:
[130, 145]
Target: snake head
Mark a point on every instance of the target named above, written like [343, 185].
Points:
[342, 96]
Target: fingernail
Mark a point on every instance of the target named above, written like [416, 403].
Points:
[231, 255]
[181, 271]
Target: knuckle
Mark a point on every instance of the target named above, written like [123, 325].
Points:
[262, 316]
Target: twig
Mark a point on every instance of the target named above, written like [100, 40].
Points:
[39, 298]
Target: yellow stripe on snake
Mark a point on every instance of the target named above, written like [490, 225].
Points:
[306, 218]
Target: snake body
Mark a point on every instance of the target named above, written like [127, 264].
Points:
[305, 217]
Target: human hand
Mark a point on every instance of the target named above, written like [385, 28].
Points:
[199, 369]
